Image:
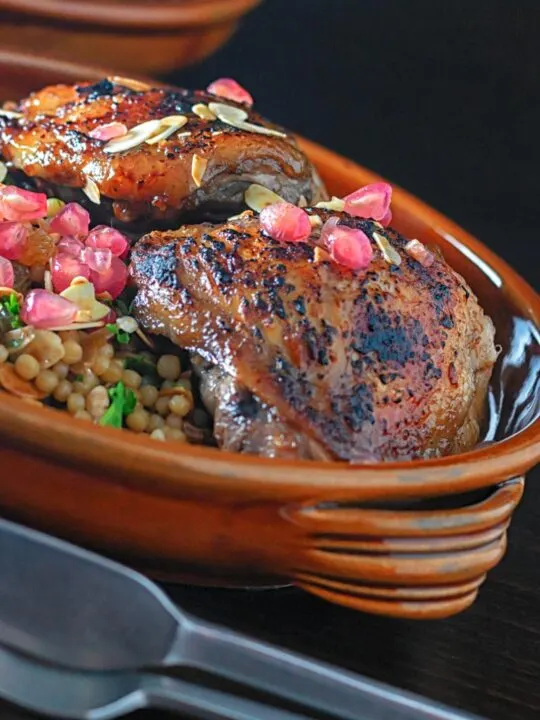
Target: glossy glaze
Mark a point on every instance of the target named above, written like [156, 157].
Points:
[130, 36]
[408, 539]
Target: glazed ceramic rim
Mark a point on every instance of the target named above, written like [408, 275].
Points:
[167, 469]
[147, 17]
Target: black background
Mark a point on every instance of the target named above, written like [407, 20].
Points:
[442, 97]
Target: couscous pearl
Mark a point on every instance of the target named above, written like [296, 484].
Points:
[174, 421]
[66, 335]
[3, 353]
[180, 404]
[131, 379]
[157, 435]
[162, 405]
[82, 415]
[114, 372]
[156, 422]
[73, 352]
[47, 381]
[101, 365]
[168, 367]
[97, 401]
[148, 395]
[27, 367]
[107, 351]
[138, 420]
[174, 434]
[75, 402]
[61, 369]
[63, 391]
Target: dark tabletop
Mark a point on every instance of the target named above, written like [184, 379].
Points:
[442, 98]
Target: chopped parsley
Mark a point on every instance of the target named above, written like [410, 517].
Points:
[121, 336]
[11, 305]
[123, 401]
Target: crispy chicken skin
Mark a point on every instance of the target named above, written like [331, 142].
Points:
[51, 145]
[304, 357]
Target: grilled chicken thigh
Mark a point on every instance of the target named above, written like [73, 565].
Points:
[204, 165]
[300, 356]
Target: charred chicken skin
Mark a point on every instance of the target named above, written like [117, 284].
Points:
[300, 356]
[48, 138]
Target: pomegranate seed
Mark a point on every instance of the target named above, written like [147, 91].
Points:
[230, 90]
[371, 201]
[7, 275]
[108, 131]
[387, 219]
[72, 219]
[285, 222]
[112, 281]
[13, 239]
[103, 237]
[22, 205]
[69, 245]
[98, 260]
[43, 309]
[64, 268]
[347, 246]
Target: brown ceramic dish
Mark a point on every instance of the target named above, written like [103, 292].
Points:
[129, 35]
[405, 539]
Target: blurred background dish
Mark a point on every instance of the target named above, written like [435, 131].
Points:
[129, 35]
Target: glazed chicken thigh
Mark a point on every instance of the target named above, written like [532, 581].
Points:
[301, 356]
[57, 140]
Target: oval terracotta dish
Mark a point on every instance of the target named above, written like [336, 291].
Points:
[129, 35]
[405, 539]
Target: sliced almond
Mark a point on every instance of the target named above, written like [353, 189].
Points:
[203, 111]
[129, 83]
[302, 201]
[315, 221]
[91, 191]
[3, 171]
[133, 138]
[169, 125]
[127, 324]
[236, 117]
[198, 168]
[47, 281]
[146, 340]
[389, 253]
[336, 204]
[11, 114]
[15, 385]
[77, 326]
[257, 197]
[82, 294]
[321, 255]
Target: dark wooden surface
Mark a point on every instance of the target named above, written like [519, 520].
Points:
[442, 98]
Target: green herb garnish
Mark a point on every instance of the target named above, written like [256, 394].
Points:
[142, 364]
[121, 336]
[123, 402]
[11, 305]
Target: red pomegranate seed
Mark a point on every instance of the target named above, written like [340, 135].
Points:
[230, 90]
[13, 239]
[43, 309]
[7, 275]
[285, 222]
[21, 205]
[371, 201]
[72, 219]
[347, 246]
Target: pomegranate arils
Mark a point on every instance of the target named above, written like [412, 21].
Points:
[7, 275]
[13, 239]
[70, 246]
[72, 219]
[285, 222]
[65, 267]
[21, 205]
[44, 310]
[230, 90]
[371, 201]
[347, 246]
[103, 237]
[97, 260]
[108, 131]
[111, 281]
